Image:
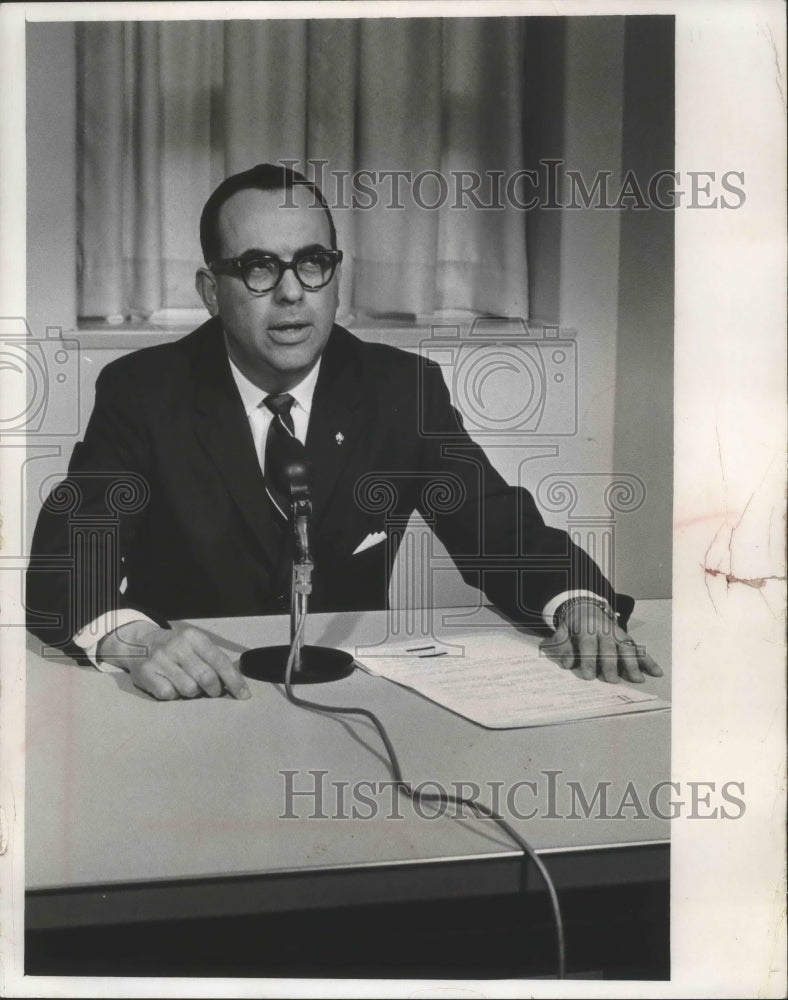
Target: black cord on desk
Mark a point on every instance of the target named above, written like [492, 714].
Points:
[418, 796]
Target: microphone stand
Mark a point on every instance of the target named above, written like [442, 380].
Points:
[301, 577]
[312, 664]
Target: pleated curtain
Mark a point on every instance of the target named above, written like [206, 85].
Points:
[166, 110]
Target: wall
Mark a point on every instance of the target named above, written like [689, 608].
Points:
[602, 100]
[591, 270]
[643, 429]
[51, 176]
[51, 256]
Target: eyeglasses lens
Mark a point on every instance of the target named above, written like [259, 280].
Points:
[313, 271]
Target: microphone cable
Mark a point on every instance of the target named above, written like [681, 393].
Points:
[418, 796]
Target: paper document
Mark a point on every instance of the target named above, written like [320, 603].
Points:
[501, 681]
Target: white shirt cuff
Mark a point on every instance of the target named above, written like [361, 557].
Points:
[89, 637]
[555, 603]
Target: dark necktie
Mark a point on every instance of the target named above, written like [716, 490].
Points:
[281, 447]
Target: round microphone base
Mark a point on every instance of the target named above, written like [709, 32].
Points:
[318, 664]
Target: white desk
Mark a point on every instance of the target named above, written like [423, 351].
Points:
[138, 809]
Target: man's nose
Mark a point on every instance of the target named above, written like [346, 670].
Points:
[289, 288]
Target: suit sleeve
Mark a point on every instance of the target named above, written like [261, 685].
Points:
[88, 521]
[493, 531]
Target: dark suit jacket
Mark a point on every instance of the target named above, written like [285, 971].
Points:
[165, 493]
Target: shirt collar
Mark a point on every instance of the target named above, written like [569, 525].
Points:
[252, 395]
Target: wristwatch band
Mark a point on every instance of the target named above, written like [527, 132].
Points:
[564, 609]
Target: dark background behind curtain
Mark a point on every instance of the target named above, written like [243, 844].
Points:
[166, 110]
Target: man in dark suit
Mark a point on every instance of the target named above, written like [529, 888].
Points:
[169, 510]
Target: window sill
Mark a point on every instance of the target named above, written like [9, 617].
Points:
[407, 331]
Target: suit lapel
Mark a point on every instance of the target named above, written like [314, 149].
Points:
[223, 428]
[333, 438]
[335, 427]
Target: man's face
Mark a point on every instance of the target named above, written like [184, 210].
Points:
[275, 338]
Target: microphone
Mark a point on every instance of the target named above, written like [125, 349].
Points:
[289, 477]
[295, 473]
[313, 664]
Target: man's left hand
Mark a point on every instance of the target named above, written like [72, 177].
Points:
[589, 640]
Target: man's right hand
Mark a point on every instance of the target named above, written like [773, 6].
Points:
[172, 663]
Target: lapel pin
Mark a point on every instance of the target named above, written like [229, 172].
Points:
[340, 437]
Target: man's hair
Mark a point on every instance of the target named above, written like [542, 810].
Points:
[263, 177]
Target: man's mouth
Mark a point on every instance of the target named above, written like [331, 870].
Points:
[290, 328]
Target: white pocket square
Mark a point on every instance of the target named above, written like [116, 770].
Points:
[374, 539]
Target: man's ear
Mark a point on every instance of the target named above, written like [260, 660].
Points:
[337, 279]
[205, 283]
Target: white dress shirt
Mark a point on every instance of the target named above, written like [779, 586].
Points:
[260, 416]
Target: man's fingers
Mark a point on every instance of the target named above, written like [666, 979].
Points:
[161, 689]
[607, 659]
[185, 685]
[205, 676]
[598, 652]
[205, 665]
[166, 664]
[147, 678]
[628, 658]
[587, 652]
[190, 680]
[566, 658]
[559, 648]
[648, 664]
[179, 662]
[186, 664]
[635, 661]
[233, 680]
[228, 673]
